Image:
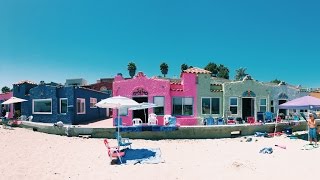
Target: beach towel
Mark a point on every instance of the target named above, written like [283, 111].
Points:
[309, 147]
[266, 150]
[142, 156]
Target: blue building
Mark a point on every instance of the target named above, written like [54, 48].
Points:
[50, 103]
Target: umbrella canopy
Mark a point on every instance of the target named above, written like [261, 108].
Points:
[117, 102]
[305, 102]
[13, 100]
[143, 105]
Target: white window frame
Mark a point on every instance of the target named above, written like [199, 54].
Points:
[93, 102]
[211, 104]
[84, 102]
[182, 105]
[163, 98]
[35, 100]
[237, 105]
[61, 106]
[263, 105]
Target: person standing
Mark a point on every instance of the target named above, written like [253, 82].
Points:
[312, 130]
[3, 111]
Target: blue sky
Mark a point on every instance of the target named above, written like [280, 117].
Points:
[56, 40]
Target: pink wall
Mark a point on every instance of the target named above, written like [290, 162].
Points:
[4, 97]
[155, 87]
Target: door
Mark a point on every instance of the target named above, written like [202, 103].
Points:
[143, 113]
[247, 107]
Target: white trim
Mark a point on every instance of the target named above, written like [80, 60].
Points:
[95, 102]
[33, 112]
[60, 105]
[211, 105]
[263, 105]
[82, 100]
[233, 105]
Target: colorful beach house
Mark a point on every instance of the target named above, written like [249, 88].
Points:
[173, 97]
[218, 97]
[9, 107]
[50, 103]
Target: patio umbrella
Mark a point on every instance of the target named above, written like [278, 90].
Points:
[117, 102]
[13, 100]
[144, 106]
[305, 102]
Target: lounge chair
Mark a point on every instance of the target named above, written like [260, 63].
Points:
[113, 152]
[124, 142]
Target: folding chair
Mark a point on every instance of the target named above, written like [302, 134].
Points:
[122, 141]
[113, 152]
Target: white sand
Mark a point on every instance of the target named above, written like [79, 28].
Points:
[33, 155]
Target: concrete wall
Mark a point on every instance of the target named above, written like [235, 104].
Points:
[185, 132]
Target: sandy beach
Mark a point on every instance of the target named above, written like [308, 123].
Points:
[26, 154]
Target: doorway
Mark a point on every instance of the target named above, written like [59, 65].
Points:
[143, 113]
[282, 111]
[247, 108]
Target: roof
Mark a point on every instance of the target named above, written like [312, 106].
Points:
[25, 81]
[197, 70]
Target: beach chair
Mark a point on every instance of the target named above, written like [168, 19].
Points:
[209, 121]
[136, 122]
[220, 121]
[152, 120]
[113, 152]
[30, 118]
[268, 116]
[124, 142]
[251, 120]
[166, 119]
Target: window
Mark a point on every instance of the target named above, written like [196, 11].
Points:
[182, 106]
[272, 106]
[159, 101]
[93, 102]
[123, 111]
[63, 105]
[81, 106]
[210, 106]
[234, 105]
[42, 106]
[263, 105]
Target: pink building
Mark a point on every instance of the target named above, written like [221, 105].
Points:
[176, 98]
[9, 107]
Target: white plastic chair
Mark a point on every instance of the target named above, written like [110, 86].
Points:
[166, 119]
[152, 120]
[30, 118]
[136, 121]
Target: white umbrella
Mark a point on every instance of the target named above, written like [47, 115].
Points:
[13, 100]
[144, 106]
[117, 102]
